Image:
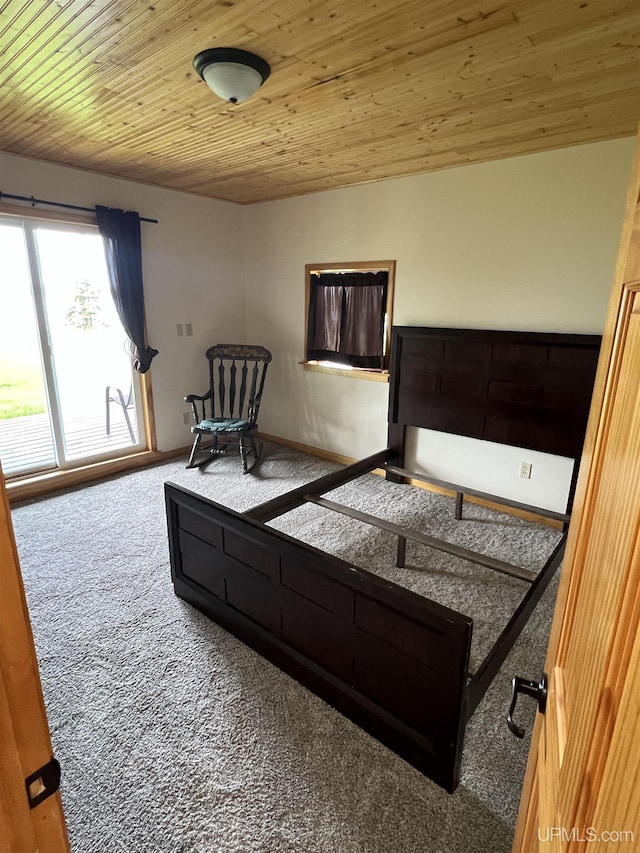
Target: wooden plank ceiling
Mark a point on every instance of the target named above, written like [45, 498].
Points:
[359, 90]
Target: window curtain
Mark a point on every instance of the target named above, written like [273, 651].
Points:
[346, 318]
[120, 232]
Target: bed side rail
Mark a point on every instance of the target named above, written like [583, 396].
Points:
[461, 491]
[296, 497]
[480, 681]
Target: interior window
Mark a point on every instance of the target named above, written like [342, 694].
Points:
[348, 315]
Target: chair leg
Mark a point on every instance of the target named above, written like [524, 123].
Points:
[107, 402]
[243, 455]
[126, 415]
[194, 451]
[246, 446]
[252, 449]
[108, 399]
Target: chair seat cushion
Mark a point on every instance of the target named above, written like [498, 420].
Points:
[223, 425]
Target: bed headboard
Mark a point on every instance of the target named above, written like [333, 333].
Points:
[527, 389]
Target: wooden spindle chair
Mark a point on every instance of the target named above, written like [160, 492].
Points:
[227, 414]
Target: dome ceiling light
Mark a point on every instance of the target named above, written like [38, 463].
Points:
[234, 75]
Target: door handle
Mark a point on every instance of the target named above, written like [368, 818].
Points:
[536, 689]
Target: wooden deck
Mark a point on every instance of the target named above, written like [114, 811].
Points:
[26, 443]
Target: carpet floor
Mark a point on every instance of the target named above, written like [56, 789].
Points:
[175, 736]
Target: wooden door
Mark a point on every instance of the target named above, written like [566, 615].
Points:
[25, 745]
[582, 789]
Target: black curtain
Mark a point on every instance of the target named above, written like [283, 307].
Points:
[120, 232]
[346, 318]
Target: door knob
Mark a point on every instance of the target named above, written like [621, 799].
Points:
[536, 689]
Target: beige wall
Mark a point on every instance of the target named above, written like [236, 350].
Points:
[192, 269]
[526, 243]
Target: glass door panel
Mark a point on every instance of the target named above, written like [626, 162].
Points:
[26, 439]
[91, 365]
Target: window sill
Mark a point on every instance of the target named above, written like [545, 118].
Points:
[372, 375]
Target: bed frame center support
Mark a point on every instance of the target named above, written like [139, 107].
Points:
[404, 533]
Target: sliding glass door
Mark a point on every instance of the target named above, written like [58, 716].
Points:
[68, 394]
[25, 427]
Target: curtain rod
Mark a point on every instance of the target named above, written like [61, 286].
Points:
[33, 200]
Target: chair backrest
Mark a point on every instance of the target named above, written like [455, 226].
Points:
[236, 379]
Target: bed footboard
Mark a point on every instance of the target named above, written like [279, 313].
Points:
[393, 662]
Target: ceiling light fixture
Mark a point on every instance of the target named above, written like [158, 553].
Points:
[232, 74]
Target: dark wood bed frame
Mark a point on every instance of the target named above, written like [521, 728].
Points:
[395, 663]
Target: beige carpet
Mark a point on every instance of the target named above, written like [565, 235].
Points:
[174, 736]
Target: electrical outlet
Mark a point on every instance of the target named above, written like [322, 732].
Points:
[186, 418]
[525, 470]
[188, 328]
[179, 329]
